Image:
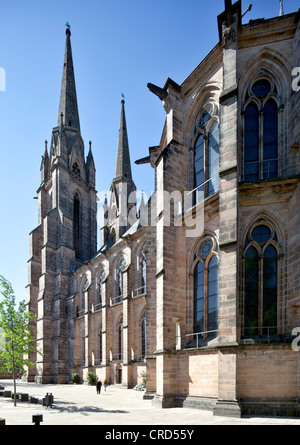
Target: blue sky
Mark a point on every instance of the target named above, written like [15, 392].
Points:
[118, 47]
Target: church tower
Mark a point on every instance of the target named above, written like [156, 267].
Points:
[122, 209]
[67, 233]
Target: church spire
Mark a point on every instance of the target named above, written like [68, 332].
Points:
[123, 167]
[68, 100]
[281, 8]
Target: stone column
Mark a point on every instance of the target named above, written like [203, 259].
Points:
[227, 403]
[125, 351]
[169, 295]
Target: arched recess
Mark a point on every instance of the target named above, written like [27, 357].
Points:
[262, 267]
[204, 153]
[272, 66]
[202, 298]
[139, 254]
[142, 334]
[207, 92]
[207, 96]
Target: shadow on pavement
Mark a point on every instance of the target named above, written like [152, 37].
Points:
[85, 410]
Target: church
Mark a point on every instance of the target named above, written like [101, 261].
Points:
[198, 289]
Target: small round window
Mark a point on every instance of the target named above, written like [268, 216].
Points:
[205, 248]
[261, 88]
[261, 234]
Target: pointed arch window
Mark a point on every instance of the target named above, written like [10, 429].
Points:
[213, 159]
[261, 281]
[100, 291]
[76, 225]
[143, 288]
[206, 293]
[120, 339]
[261, 132]
[206, 155]
[120, 277]
[143, 328]
[100, 346]
[118, 282]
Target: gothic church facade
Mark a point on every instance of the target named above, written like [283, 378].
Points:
[201, 289]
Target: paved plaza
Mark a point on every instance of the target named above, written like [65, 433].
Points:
[81, 405]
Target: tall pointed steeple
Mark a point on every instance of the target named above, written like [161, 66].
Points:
[123, 167]
[122, 189]
[281, 12]
[68, 98]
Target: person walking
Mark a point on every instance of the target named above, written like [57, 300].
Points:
[105, 384]
[98, 386]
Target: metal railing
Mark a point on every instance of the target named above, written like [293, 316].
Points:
[97, 307]
[80, 313]
[268, 334]
[116, 300]
[139, 291]
[199, 339]
[116, 357]
[200, 193]
[270, 168]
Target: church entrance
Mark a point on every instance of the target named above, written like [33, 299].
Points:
[119, 376]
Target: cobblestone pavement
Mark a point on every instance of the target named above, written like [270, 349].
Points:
[81, 405]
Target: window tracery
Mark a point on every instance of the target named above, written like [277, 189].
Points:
[261, 280]
[261, 131]
[206, 154]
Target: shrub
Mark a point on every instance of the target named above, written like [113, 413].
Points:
[75, 377]
[91, 378]
[144, 377]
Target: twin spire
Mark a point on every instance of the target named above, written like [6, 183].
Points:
[68, 114]
[281, 12]
[68, 108]
[123, 166]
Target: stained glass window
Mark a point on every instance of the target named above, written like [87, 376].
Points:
[270, 140]
[261, 88]
[213, 159]
[143, 275]
[205, 248]
[261, 133]
[199, 177]
[199, 298]
[206, 156]
[261, 282]
[206, 292]
[251, 143]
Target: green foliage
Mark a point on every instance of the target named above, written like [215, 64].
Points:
[75, 377]
[91, 378]
[144, 377]
[15, 324]
[17, 344]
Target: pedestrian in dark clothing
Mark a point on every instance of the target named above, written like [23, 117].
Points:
[98, 386]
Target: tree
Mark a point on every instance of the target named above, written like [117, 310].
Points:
[15, 325]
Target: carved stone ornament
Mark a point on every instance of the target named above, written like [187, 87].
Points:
[229, 36]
